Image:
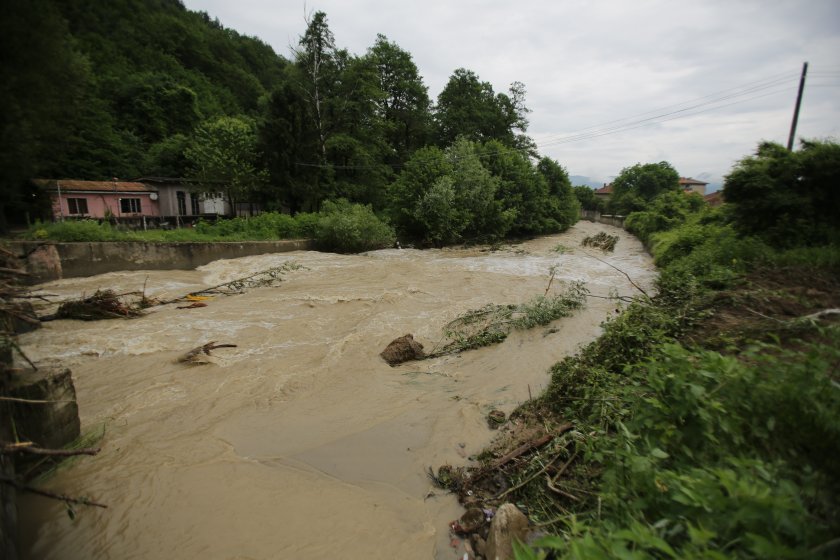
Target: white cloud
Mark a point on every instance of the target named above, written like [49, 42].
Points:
[588, 62]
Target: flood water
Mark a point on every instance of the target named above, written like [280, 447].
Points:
[301, 442]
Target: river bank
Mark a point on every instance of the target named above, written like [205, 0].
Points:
[302, 442]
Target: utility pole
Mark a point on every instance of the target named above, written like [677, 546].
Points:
[796, 110]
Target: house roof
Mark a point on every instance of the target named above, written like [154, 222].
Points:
[714, 199]
[606, 189]
[686, 181]
[69, 185]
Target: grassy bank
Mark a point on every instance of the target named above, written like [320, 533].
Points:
[706, 420]
[339, 226]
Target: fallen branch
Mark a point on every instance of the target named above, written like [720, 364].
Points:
[16, 271]
[532, 477]
[27, 447]
[24, 356]
[619, 270]
[66, 499]
[194, 355]
[33, 401]
[528, 446]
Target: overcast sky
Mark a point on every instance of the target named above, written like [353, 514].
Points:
[712, 78]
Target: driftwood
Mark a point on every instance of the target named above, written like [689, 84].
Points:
[195, 356]
[66, 499]
[27, 447]
[528, 446]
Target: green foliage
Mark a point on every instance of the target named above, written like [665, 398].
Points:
[352, 228]
[493, 323]
[637, 185]
[224, 152]
[404, 105]
[469, 108]
[587, 199]
[664, 212]
[442, 220]
[787, 198]
[74, 230]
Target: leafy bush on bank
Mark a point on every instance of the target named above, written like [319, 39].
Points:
[351, 228]
[688, 452]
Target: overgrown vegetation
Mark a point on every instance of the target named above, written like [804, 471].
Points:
[706, 420]
[340, 226]
[493, 323]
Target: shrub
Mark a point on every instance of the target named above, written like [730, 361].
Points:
[351, 228]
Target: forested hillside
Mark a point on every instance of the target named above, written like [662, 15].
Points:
[135, 88]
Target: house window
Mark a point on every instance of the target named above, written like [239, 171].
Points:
[77, 205]
[195, 210]
[130, 205]
[182, 203]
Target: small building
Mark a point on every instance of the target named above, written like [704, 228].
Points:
[184, 198]
[714, 199]
[605, 192]
[688, 184]
[101, 199]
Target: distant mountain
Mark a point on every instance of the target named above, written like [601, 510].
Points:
[584, 180]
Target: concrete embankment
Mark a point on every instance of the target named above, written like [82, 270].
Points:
[47, 261]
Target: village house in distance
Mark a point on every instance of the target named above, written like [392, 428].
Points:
[687, 184]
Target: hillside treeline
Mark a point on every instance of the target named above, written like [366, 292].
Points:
[140, 88]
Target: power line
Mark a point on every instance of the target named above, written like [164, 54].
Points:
[743, 93]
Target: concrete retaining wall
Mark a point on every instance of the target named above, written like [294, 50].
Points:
[595, 216]
[50, 261]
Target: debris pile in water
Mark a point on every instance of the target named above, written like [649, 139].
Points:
[601, 240]
[103, 304]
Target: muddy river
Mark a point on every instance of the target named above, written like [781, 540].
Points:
[301, 442]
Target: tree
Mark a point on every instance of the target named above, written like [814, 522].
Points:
[469, 107]
[404, 104]
[317, 59]
[787, 198]
[588, 200]
[290, 145]
[223, 156]
[43, 79]
[420, 173]
[437, 210]
[475, 193]
[637, 185]
[564, 207]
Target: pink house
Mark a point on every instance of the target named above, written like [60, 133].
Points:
[101, 199]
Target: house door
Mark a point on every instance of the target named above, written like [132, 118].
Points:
[182, 203]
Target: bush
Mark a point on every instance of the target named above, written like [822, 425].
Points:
[74, 230]
[351, 228]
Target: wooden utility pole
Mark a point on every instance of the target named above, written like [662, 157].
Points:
[796, 110]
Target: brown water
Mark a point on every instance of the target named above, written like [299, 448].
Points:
[301, 442]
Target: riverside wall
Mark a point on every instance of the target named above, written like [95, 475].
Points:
[46, 261]
[595, 216]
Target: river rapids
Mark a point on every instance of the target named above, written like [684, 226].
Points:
[301, 442]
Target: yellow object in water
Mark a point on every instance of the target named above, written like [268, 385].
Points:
[198, 298]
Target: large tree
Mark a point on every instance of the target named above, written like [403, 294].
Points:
[404, 105]
[636, 186]
[223, 156]
[788, 198]
[470, 108]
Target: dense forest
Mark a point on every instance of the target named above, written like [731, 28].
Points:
[147, 88]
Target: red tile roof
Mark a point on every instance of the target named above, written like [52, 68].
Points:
[714, 199]
[606, 189]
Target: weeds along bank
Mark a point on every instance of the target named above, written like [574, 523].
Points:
[705, 420]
